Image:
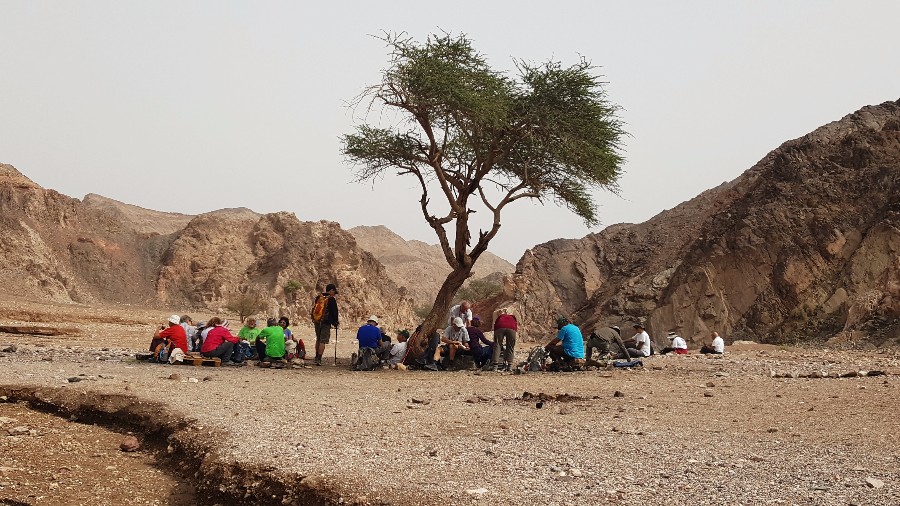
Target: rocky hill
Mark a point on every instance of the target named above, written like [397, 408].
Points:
[55, 247]
[804, 245]
[418, 266]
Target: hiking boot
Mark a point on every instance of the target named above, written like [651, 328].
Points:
[431, 366]
[318, 361]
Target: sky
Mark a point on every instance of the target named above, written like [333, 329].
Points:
[193, 106]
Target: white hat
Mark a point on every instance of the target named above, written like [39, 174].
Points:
[672, 335]
[373, 318]
[459, 322]
[174, 319]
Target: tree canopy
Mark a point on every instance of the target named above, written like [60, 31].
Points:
[477, 136]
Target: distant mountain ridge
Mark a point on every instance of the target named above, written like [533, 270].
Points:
[418, 266]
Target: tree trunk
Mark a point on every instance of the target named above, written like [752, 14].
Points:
[436, 319]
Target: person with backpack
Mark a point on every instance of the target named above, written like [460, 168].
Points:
[324, 315]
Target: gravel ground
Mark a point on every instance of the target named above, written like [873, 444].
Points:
[685, 429]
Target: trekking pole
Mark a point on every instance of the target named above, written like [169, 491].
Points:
[335, 346]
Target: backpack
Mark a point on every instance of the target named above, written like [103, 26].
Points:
[161, 353]
[367, 360]
[537, 357]
[320, 307]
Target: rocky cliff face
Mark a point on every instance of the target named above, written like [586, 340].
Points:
[100, 250]
[417, 266]
[804, 245]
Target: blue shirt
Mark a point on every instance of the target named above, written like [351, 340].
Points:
[368, 336]
[572, 341]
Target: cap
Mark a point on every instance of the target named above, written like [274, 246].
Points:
[638, 326]
[404, 333]
[174, 319]
[331, 287]
[458, 322]
[373, 318]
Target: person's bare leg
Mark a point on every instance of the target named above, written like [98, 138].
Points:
[452, 352]
[320, 350]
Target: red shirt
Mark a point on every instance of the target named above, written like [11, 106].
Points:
[215, 337]
[176, 334]
[506, 321]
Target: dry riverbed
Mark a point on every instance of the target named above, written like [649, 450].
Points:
[682, 430]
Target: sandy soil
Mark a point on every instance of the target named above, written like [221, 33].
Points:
[685, 429]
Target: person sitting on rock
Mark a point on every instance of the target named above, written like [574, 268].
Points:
[383, 352]
[398, 350]
[639, 345]
[601, 338]
[219, 342]
[169, 336]
[718, 345]
[568, 346]
[679, 345]
[369, 335]
[480, 354]
[454, 340]
[248, 334]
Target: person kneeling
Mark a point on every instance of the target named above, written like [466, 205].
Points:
[568, 345]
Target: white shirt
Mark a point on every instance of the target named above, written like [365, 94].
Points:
[398, 351]
[718, 344]
[457, 311]
[642, 341]
[679, 343]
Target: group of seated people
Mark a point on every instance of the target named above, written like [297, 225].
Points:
[213, 339]
[639, 345]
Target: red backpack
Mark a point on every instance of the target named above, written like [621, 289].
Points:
[319, 308]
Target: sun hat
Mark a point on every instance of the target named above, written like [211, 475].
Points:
[174, 319]
[373, 318]
[458, 322]
[616, 328]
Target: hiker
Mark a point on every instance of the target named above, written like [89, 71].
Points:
[505, 329]
[369, 335]
[462, 310]
[398, 351]
[717, 348]
[248, 334]
[601, 338]
[568, 345]
[679, 345]
[639, 345]
[480, 354]
[187, 323]
[324, 316]
[273, 336]
[260, 347]
[455, 338]
[171, 335]
[219, 342]
[384, 346]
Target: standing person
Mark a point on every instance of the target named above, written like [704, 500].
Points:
[641, 345]
[462, 310]
[480, 354]
[505, 329]
[324, 315]
[601, 338]
[568, 345]
[219, 342]
[718, 345]
[173, 336]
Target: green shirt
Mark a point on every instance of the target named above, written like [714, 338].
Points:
[249, 334]
[274, 337]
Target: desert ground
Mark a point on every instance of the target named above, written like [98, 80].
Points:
[681, 430]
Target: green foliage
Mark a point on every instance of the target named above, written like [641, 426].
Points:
[246, 302]
[292, 286]
[423, 310]
[479, 289]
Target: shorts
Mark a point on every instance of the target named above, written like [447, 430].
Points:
[323, 333]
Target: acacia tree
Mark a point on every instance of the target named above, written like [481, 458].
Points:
[476, 137]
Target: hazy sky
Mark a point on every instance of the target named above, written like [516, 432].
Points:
[194, 106]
